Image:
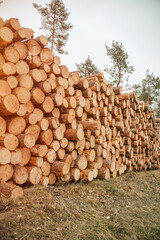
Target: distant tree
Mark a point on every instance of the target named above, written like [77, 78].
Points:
[87, 68]
[120, 68]
[149, 91]
[54, 17]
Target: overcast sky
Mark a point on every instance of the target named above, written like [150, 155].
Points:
[135, 23]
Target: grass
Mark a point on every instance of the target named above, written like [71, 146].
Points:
[127, 207]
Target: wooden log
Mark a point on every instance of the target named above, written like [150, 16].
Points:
[1, 23]
[39, 150]
[9, 141]
[70, 81]
[47, 105]
[7, 69]
[45, 86]
[22, 67]
[87, 174]
[29, 106]
[64, 142]
[46, 68]
[6, 36]
[36, 161]
[69, 147]
[2, 126]
[34, 130]
[10, 190]
[31, 118]
[26, 140]
[20, 175]
[36, 75]
[78, 93]
[74, 135]
[16, 125]
[87, 93]
[35, 174]
[42, 40]
[25, 81]
[75, 76]
[62, 82]
[99, 161]
[46, 168]
[37, 96]
[46, 56]
[117, 90]
[44, 181]
[53, 122]
[39, 113]
[81, 162]
[34, 62]
[55, 69]
[16, 156]
[73, 125]
[89, 125]
[88, 145]
[68, 158]
[52, 178]
[75, 174]
[25, 156]
[22, 94]
[13, 24]
[33, 47]
[83, 84]
[71, 102]
[22, 110]
[21, 49]
[55, 145]
[64, 71]
[6, 172]
[60, 153]
[11, 54]
[81, 101]
[50, 156]
[90, 155]
[12, 81]
[46, 137]
[57, 60]
[58, 134]
[57, 98]
[104, 173]
[61, 168]
[5, 155]
[110, 165]
[69, 91]
[44, 124]
[66, 118]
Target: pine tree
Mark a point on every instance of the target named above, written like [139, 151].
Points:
[87, 68]
[149, 91]
[54, 17]
[120, 69]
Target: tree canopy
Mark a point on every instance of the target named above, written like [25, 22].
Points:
[54, 16]
[87, 68]
[120, 69]
[149, 91]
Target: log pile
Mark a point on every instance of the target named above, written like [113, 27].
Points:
[55, 125]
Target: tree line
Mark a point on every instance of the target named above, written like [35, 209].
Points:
[54, 18]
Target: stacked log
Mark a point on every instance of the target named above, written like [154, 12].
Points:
[55, 125]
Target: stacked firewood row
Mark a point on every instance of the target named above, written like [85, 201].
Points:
[55, 125]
